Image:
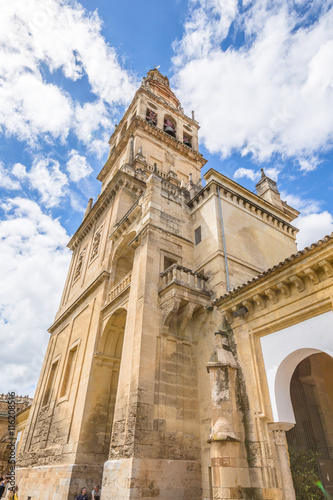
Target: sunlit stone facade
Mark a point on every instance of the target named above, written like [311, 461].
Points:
[154, 382]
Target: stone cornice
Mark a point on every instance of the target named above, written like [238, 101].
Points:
[287, 214]
[103, 276]
[172, 142]
[259, 209]
[119, 181]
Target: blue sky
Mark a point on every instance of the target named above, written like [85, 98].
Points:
[258, 74]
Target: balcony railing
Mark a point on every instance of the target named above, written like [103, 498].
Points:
[120, 287]
[180, 274]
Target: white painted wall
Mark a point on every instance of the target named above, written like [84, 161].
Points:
[283, 350]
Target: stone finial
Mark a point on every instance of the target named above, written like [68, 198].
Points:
[89, 207]
[267, 189]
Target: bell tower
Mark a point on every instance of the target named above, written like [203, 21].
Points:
[155, 134]
[124, 397]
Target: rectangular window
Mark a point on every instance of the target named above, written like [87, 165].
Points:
[68, 371]
[47, 395]
[197, 235]
[168, 262]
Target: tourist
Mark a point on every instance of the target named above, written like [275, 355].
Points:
[96, 493]
[3, 486]
[12, 494]
[83, 495]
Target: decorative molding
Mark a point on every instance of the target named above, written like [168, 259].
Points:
[327, 266]
[259, 301]
[271, 294]
[284, 289]
[298, 282]
[311, 273]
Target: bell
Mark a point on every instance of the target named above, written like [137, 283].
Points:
[187, 143]
[169, 130]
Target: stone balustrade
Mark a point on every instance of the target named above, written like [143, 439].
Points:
[180, 274]
[120, 287]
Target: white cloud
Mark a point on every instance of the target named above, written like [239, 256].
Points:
[89, 118]
[308, 164]
[46, 177]
[247, 172]
[272, 95]
[313, 223]
[272, 173]
[77, 166]
[32, 247]
[6, 181]
[313, 227]
[254, 175]
[61, 36]
[208, 23]
[304, 205]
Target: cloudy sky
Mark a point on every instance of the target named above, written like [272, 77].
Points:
[259, 75]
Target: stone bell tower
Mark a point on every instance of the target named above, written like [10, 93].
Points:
[123, 398]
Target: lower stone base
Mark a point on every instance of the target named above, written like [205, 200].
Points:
[56, 482]
[135, 478]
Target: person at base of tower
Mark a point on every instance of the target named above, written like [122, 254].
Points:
[96, 493]
[83, 495]
[12, 494]
[3, 485]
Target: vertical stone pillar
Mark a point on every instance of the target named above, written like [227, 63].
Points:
[131, 150]
[228, 460]
[279, 432]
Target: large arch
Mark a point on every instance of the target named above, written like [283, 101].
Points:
[122, 260]
[284, 350]
[103, 384]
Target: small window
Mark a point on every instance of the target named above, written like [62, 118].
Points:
[170, 126]
[47, 395]
[168, 262]
[151, 117]
[197, 235]
[69, 371]
[187, 140]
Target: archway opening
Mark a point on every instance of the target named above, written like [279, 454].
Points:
[123, 259]
[111, 347]
[310, 441]
[103, 385]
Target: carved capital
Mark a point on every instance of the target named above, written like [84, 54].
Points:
[169, 310]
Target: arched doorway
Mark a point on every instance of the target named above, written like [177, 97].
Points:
[103, 384]
[310, 441]
[109, 356]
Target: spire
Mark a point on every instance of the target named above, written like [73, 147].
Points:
[267, 189]
[159, 85]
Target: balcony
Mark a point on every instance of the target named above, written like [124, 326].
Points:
[120, 287]
[183, 276]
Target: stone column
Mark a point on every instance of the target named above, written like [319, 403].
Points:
[279, 432]
[131, 150]
[229, 465]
